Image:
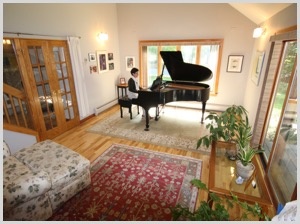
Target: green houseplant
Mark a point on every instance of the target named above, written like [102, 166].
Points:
[245, 151]
[246, 154]
[244, 165]
[220, 209]
[224, 126]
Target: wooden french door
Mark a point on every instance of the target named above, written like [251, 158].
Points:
[50, 86]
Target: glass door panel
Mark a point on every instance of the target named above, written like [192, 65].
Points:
[15, 104]
[283, 167]
[11, 71]
[43, 86]
[280, 140]
[64, 83]
[286, 71]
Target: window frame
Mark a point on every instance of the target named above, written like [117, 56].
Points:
[178, 43]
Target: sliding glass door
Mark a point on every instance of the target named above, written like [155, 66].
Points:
[280, 138]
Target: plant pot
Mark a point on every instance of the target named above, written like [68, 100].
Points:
[244, 171]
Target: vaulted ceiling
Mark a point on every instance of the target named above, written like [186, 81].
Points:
[259, 12]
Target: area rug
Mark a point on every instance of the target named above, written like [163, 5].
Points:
[134, 184]
[177, 128]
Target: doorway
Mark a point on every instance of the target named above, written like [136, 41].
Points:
[48, 84]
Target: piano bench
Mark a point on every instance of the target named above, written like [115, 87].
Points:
[127, 103]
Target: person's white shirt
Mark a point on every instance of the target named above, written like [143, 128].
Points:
[132, 95]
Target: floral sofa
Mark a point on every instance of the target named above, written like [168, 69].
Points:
[38, 179]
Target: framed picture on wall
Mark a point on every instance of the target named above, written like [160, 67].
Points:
[122, 81]
[111, 66]
[92, 57]
[102, 61]
[130, 62]
[110, 56]
[257, 66]
[235, 63]
[93, 69]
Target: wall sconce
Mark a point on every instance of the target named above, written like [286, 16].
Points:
[103, 36]
[257, 32]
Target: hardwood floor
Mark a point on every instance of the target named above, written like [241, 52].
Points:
[92, 145]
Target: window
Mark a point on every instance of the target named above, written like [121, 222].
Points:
[207, 53]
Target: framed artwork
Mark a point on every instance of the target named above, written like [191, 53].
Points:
[130, 62]
[257, 66]
[235, 63]
[102, 61]
[93, 69]
[122, 81]
[110, 56]
[92, 57]
[111, 66]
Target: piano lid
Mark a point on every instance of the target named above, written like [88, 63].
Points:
[181, 71]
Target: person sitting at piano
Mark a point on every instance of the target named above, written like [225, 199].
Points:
[134, 86]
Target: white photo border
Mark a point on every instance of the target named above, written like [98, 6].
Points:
[130, 62]
[235, 63]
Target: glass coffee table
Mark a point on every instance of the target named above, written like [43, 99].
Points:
[222, 181]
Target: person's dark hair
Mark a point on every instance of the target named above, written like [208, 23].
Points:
[133, 70]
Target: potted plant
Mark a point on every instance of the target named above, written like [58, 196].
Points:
[220, 209]
[244, 165]
[245, 152]
[223, 127]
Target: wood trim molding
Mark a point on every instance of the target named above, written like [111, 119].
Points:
[288, 29]
[87, 118]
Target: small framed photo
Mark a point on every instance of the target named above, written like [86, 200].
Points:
[102, 61]
[122, 81]
[110, 56]
[93, 69]
[257, 66]
[235, 63]
[130, 62]
[111, 66]
[92, 57]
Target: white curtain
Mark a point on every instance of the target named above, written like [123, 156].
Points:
[78, 73]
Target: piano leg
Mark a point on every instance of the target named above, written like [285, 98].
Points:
[147, 120]
[157, 113]
[203, 111]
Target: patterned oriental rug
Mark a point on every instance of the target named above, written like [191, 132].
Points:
[134, 184]
[176, 128]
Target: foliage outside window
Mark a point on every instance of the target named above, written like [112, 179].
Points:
[207, 53]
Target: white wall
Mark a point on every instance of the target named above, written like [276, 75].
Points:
[17, 141]
[282, 20]
[191, 21]
[126, 24]
[84, 20]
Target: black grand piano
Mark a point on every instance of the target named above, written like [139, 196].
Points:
[185, 85]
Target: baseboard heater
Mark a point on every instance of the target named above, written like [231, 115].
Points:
[105, 106]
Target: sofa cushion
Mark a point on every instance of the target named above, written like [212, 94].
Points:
[61, 163]
[6, 150]
[37, 209]
[20, 184]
